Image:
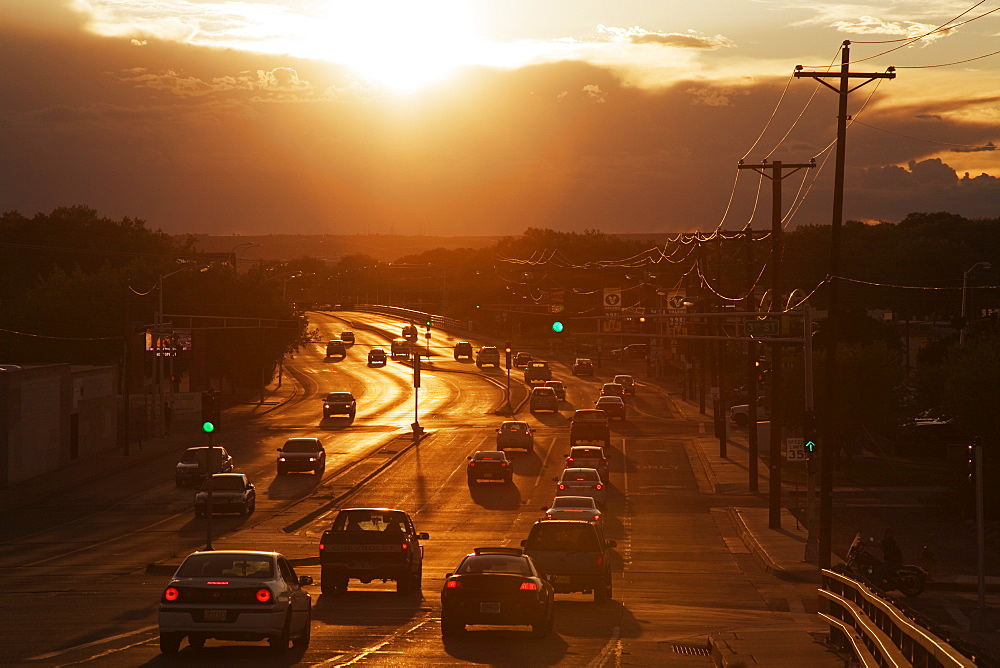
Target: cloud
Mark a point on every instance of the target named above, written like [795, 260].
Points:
[870, 25]
[689, 40]
[989, 146]
[595, 93]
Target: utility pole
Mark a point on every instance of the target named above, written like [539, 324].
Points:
[829, 435]
[774, 456]
[750, 306]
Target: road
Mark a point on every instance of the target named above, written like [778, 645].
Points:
[76, 588]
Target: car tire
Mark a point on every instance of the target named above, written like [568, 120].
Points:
[352, 414]
[741, 420]
[282, 472]
[301, 641]
[199, 513]
[279, 643]
[545, 625]
[602, 594]
[319, 470]
[404, 585]
[170, 643]
[196, 641]
[245, 510]
[451, 627]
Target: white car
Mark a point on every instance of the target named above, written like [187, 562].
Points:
[582, 482]
[574, 508]
[740, 414]
[235, 595]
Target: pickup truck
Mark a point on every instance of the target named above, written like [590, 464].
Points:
[370, 544]
[537, 371]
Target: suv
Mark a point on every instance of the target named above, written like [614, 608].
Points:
[463, 349]
[583, 367]
[521, 359]
[347, 337]
[573, 554]
[627, 382]
[194, 465]
[543, 399]
[340, 403]
[488, 355]
[537, 372]
[302, 454]
[336, 348]
[377, 356]
[589, 425]
[633, 351]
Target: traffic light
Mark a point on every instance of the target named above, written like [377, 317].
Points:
[557, 326]
[810, 434]
[759, 369]
[507, 351]
[209, 412]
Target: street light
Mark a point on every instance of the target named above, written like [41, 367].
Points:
[965, 283]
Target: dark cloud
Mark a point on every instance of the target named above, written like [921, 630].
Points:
[989, 146]
[199, 140]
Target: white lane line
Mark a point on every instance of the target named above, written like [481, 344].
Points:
[613, 645]
[43, 657]
[376, 647]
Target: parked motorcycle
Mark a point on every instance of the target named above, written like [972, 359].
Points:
[909, 579]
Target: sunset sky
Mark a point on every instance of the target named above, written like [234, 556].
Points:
[465, 117]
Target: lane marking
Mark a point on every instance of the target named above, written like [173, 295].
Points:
[42, 657]
[376, 647]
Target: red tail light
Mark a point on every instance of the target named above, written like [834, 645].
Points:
[569, 459]
[171, 594]
[472, 464]
[599, 561]
[499, 431]
[405, 546]
[562, 486]
[263, 595]
[452, 584]
[598, 486]
[322, 547]
[529, 586]
[597, 517]
[503, 465]
[548, 516]
[217, 583]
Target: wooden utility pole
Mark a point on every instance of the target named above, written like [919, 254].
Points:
[829, 436]
[749, 306]
[774, 455]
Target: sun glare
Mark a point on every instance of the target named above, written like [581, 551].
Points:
[401, 44]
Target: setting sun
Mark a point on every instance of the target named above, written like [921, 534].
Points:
[397, 43]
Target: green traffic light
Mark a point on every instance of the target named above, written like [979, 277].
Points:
[557, 326]
[207, 427]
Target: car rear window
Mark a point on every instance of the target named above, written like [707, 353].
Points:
[580, 474]
[543, 391]
[585, 452]
[494, 563]
[573, 502]
[227, 565]
[514, 426]
[488, 455]
[590, 416]
[569, 537]
[370, 520]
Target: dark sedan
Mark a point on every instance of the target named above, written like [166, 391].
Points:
[302, 454]
[497, 586]
[490, 466]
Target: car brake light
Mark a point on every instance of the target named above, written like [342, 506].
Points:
[405, 546]
[171, 594]
[562, 486]
[503, 465]
[471, 464]
[529, 586]
[598, 486]
[322, 547]
[263, 595]
[452, 584]
[597, 517]
[569, 459]
[217, 583]
[499, 431]
[548, 516]
[599, 561]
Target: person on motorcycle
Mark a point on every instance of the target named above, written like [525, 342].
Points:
[892, 558]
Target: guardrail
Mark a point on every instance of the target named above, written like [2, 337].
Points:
[880, 633]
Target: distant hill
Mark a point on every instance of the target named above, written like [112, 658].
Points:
[331, 247]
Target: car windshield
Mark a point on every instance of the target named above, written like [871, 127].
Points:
[370, 520]
[339, 396]
[301, 446]
[223, 482]
[494, 563]
[227, 565]
[577, 475]
[568, 537]
[573, 502]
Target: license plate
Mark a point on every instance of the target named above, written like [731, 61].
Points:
[489, 607]
[214, 616]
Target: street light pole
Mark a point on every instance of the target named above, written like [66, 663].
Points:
[965, 283]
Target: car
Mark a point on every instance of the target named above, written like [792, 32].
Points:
[521, 359]
[347, 337]
[409, 332]
[589, 424]
[196, 464]
[463, 349]
[740, 414]
[340, 403]
[543, 399]
[336, 348]
[399, 349]
[588, 456]
[583, 367]
[613, 407]
[228, 492]
[489, 465]
[627, 382]
[515, 435]
[497, 586]
[558, 387]
[613, 390]
[302, 454]
[582, 482]
[573, 508]
[377, 356]
[573, 554]
[235, 595]
[488, 356]
[537, 371]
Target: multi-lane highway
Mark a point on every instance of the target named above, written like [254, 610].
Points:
[75, 586]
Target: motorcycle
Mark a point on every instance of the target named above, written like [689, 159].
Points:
[909, 579]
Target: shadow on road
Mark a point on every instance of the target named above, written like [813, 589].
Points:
[496, 496]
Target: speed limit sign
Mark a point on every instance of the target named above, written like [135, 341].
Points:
[795, 450]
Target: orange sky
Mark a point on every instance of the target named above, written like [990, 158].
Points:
[192, 137]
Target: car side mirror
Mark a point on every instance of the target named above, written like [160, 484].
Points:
[523, 543]
[448, 575]
[305, 580]
[612, 543]
[423, 535]
[250, 485]
[279, 449]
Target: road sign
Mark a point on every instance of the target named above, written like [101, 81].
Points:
[612, 298]
[611, 326]
[759, 328]
[795, 450]
[675, 301]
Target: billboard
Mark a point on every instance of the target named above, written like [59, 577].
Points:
[168, 342]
